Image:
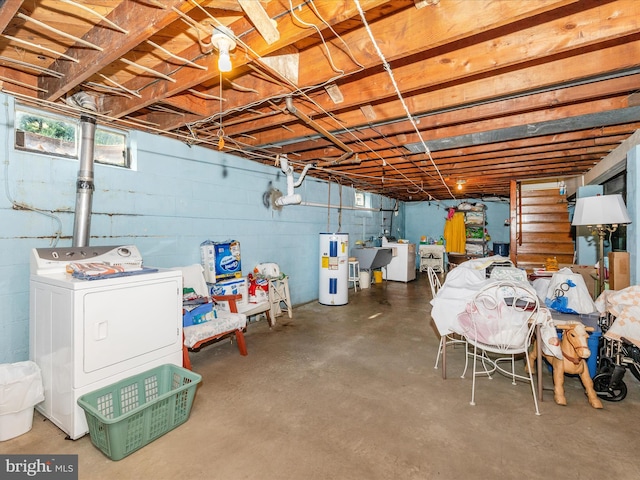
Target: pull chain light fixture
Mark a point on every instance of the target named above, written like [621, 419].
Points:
[222, 39]
[220, 130]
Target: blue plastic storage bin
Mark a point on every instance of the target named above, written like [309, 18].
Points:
[592, 361]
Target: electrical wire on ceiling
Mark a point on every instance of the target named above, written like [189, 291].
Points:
[358, 178]
[346, 45]
[127, 123]
[303, 93]
[326, 47]
[63, 108]
[315, 27]
[192, 138]
[387, 67]
[187, 138]
[386, 139]
[257, 57]
[347, 130]
[283, 81]
[197, 27]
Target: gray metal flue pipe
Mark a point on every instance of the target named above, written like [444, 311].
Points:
[84, 182]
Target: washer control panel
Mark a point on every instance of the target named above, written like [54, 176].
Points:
[53, 260]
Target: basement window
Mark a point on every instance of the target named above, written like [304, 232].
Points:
[57, 135]
[111, 148]
[36, 132]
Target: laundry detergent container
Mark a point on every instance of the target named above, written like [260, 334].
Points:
[20, 390]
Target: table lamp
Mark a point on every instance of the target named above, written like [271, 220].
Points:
[603, 214]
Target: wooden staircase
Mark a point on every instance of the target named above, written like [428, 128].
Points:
[540, 228]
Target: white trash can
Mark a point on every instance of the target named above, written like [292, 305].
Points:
[365, 279]
[20, 390]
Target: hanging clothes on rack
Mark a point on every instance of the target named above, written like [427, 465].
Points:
[455, 232]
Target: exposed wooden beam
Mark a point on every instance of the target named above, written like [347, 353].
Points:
[530, 78]
[631, 114]
[485, 111]
[8, 9]
[530, 74]
[143, 20]
[615, 162]
[442, 30]
[258, 16]
[542, 146]
[291, 32]
[514, 129]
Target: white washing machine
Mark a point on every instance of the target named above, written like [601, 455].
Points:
[402, 267]
[88, 334]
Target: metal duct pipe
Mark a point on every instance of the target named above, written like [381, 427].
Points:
[339, 161]
[84, 182]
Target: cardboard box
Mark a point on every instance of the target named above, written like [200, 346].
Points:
[619, 276]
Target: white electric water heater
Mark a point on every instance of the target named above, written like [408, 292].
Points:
[334, 269]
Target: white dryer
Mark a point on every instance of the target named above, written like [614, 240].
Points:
[88, 334]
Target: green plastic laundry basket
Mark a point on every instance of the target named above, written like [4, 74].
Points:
[129, 414]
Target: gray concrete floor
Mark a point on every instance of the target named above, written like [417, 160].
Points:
[350, 392]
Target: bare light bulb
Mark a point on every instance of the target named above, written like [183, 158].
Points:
[459, 186]
[222, 39]
[224, 60]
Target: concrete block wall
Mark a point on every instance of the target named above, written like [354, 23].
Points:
[177, 197]
[428, 219]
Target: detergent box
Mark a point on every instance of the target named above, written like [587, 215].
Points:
[221, 260]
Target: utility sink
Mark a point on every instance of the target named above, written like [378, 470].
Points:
[372, 258]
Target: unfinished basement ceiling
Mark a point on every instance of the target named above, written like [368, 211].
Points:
[398, 97]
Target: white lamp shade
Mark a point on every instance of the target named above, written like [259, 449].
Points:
[600, 210]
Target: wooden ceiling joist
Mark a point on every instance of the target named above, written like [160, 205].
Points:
[502, 90]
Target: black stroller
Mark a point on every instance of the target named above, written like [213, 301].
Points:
[616, 356]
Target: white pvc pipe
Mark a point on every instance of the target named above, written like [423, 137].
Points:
[291, 198]
[324, 205]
